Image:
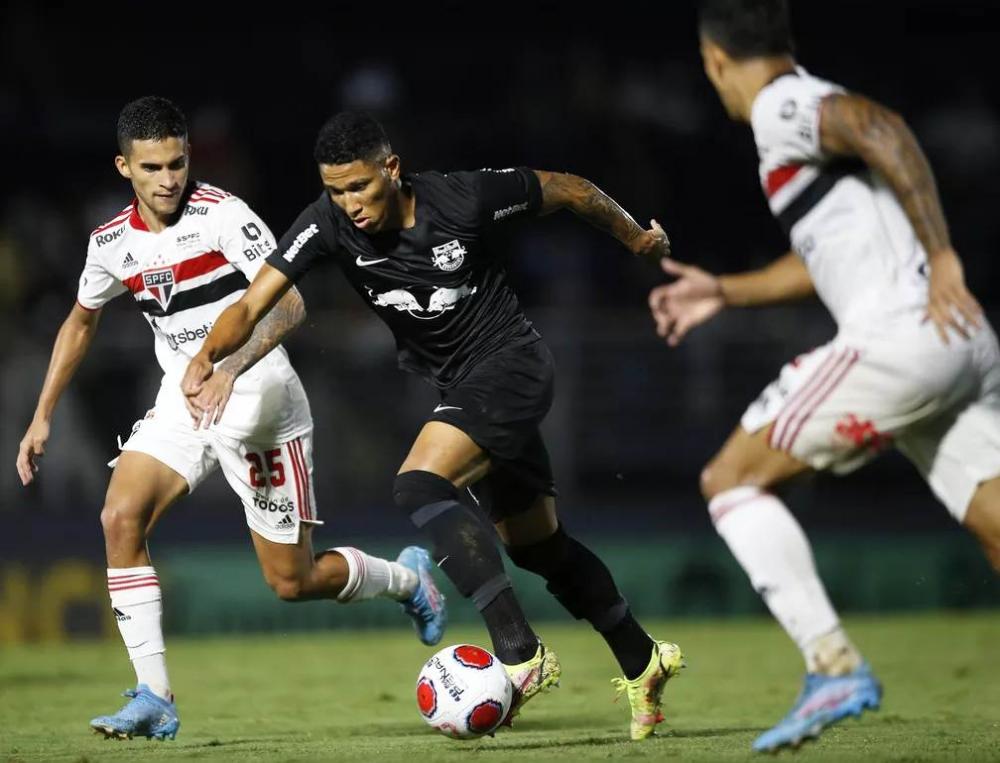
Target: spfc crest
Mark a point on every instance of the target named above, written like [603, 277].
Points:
[448, 256]
[160, 283]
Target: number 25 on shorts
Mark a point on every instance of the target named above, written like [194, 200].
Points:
[274, 470]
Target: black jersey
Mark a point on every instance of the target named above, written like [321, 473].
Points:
[440, 285]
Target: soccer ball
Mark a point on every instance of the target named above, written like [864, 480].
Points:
[464, 692]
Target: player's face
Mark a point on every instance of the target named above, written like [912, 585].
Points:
[158, 170]
[717, 69]
[366, 191]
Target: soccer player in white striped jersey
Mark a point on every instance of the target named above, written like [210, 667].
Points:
[186, 251]
[914, 363]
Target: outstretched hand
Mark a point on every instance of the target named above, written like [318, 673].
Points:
[692, 299]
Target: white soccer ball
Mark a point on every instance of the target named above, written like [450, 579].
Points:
[464, 692]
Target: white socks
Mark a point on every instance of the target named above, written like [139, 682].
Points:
[772, 549]
[136, 600]
[370, 576]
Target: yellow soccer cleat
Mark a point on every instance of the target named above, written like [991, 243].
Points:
[645, 692]
[538, 674]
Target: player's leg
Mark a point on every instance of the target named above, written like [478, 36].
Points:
[442, 461]
[771, 547]
[274, 482]
[983, 519]
[775, 553]
[536, 541]
[141, 489]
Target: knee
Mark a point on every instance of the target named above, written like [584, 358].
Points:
[717, 478]
[413, 490]
[120, 520]
[287, 588]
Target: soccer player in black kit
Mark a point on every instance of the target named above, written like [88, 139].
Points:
[417, 248]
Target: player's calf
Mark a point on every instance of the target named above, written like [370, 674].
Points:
[582, 583]
[465, 549]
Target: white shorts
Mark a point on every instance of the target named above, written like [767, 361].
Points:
[272, 479]
[839, 405]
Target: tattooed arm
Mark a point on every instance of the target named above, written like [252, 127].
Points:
[856, 126]
[208, 404]
[561, 190]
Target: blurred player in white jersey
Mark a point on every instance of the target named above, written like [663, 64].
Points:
[186, 250]
[914, 363]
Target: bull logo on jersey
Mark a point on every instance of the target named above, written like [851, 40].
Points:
[160, 283]
[448, 256]
[441, 300]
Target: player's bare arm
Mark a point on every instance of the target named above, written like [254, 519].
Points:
[561, 190]
[72, 343]
[209, 404]
[235, 326]
[856, 126]
[697, 296]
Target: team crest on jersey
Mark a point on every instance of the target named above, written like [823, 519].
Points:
[160, 283]
[448, 256]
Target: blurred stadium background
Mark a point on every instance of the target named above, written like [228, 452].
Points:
[616, 96]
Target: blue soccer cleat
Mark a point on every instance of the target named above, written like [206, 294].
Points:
[427, 604]
[823, 701]
[146, 715]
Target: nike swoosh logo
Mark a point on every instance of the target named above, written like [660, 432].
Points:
[365, 263]
[446, 408]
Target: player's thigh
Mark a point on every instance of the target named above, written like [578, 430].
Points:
[983, 519]
[141, 489]
[447, 451]
[273, 481]
[162, 460]
[958, 454]
[748, 459]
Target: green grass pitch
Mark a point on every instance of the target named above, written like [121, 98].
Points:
[348, 695]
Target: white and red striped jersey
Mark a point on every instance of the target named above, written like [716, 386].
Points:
[181, 279]
[842, 218]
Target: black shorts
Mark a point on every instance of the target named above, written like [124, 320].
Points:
[500, 404]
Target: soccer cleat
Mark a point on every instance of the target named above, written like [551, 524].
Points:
[823, 701]
[538, 674]
[646, 691]
[146, 715]
[427, 605]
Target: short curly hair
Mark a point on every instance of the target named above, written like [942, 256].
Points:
[149, 118]
[349, 136]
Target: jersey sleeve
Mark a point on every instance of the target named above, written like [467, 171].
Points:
[508, 194]
[785, 118]
[303, 245]
[485, 197]
[244, 239]
[97, 285]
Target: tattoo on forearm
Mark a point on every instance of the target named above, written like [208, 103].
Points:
[591, 203]
[883, 140]
[267, 335]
